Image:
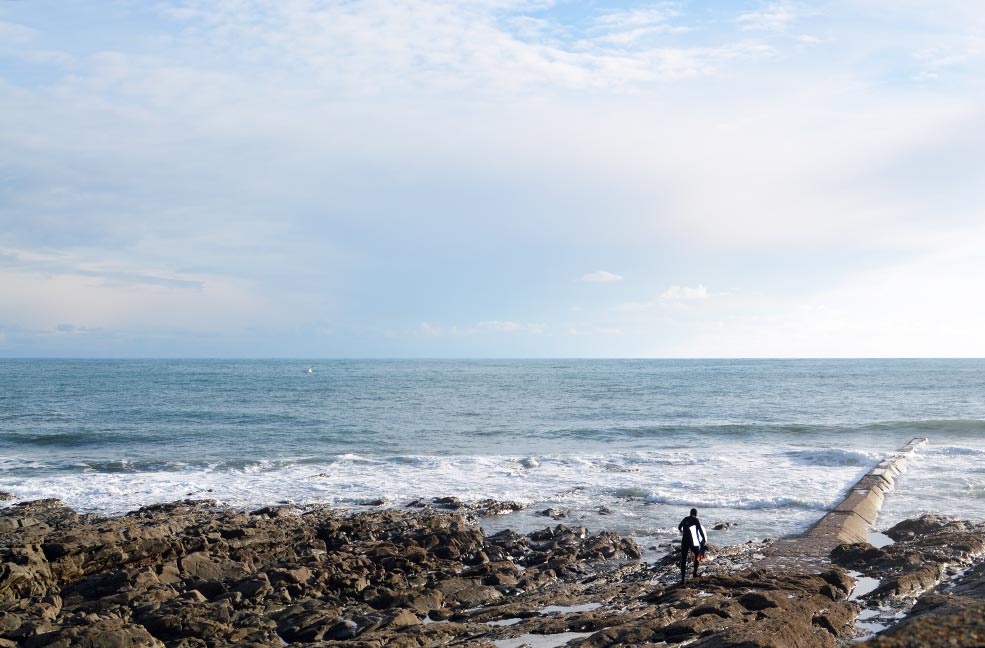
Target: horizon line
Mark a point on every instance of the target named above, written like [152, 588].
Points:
[492, 358]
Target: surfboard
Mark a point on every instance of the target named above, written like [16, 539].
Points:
[695, 539]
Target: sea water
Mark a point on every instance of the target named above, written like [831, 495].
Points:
[626, 445]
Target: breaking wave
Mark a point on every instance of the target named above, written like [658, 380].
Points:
[833, 457]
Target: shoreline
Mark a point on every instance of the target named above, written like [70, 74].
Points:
[189, 574]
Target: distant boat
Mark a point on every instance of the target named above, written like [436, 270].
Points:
[310, 370]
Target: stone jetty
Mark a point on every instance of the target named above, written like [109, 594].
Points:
[847, 523]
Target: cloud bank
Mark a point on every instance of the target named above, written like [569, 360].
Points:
[236, 178]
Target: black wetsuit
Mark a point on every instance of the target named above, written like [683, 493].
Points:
[687, 543]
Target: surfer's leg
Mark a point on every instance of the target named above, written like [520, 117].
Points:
[684, 553]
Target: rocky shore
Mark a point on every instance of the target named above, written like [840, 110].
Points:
[189, 574]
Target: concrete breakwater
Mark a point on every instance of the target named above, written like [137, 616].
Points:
[849, 522]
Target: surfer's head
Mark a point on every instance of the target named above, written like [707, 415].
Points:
[694, 512]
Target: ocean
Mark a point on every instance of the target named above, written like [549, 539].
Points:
[624, 445]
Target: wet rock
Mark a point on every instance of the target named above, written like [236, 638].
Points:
[860, 556]
[925, 548]
[490, 507]
[189, 575]
[104, 633]
[949, 614]
[7, 497]
[280, 510]
[553, 513]
[452, 503]
[41, 504]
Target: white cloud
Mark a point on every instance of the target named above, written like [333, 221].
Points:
[920, 308]
[595, 330]
[601, 276]
[448, 47]
[773, 17]
[684, 293]
[243, 159]
[639, 17]
[39, 300]
[609, 330]
[626, 28]
[11, 33]
[673, 294]
[107, 271]
[481, 328]
[431, 330]
[934, 62]
[635, 306]
[500, 326]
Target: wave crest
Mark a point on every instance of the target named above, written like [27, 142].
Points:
[832, 457]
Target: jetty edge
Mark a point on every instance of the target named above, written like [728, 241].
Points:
[847, 523]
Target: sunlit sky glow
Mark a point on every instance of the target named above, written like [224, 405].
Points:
[492, 178]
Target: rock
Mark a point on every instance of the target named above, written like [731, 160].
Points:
[963, 628]
[448, 502]
[190, 575]
[255, 587]
[912, 582]
[925, 547]
[344, 629]
[41, 504]
[280, 510]
[723, 526]
[858, 555]
[948, 614]
[919, 527]
[553, 513]
[400, 618]
[199, 566]
[490, 507]
[7, 497]
[105, 633]
[755, 601]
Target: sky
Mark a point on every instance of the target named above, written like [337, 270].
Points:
[492, 178]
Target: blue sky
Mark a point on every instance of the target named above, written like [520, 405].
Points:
[303, 178]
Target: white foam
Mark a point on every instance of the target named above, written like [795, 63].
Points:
[741, 483]
[945, 480]
[950, 451]
[646, 494]
[834, 457]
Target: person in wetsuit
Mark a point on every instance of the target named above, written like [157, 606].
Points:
[691, 542]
